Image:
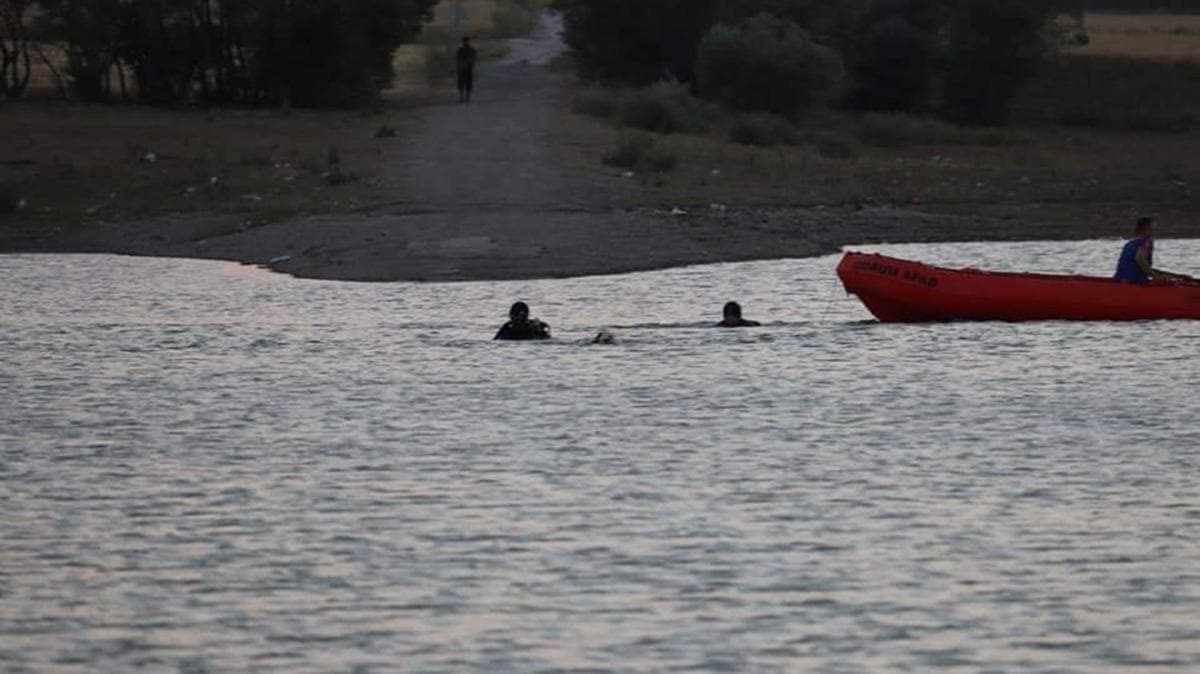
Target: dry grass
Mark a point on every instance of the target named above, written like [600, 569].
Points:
[74, 163]
[1166, 37]
[1059, 169]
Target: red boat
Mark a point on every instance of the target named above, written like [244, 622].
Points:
[897, 290]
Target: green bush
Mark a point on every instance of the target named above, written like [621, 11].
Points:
[640, 152]
[595, 103]
[629, 151]
[763, 130]
[893, 65]
[835, 145]
[318, 53]
[660, 162]
[767, 64]
[663, 108]
[440, 64]
[635, 41]
[994, 49]
[638, 41]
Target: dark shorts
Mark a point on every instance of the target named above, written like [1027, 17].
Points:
[466, 79]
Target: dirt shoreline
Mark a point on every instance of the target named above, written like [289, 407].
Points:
[483, 193]
[382, 247]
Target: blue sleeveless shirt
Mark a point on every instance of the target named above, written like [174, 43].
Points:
[1127, 268]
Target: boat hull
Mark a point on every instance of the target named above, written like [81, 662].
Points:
[896, 290]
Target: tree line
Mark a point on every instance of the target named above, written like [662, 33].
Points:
[963, 59]
[308, 53]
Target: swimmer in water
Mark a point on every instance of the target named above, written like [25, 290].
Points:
[521, 327]
[733, 317]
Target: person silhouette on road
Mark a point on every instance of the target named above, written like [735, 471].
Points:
[466, 70]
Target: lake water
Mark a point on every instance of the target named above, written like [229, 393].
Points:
[209, 468]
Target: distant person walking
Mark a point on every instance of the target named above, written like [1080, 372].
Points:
[466, 70]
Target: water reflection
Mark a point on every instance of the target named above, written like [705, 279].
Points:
[209, 468]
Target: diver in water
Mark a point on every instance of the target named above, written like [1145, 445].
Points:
[521, 327]
[733, 317]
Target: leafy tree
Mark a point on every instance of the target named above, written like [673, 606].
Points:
[308, 52]
[769, 64]
[642, 41]
[994, 48]
[15, 61]
[636, 41]
[336, 52]
[89, 31]
[893, 54]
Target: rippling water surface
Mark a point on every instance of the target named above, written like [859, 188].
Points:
[209, 468]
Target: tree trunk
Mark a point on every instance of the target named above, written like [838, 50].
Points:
[5, 60]
[60, 82]
[121, 80]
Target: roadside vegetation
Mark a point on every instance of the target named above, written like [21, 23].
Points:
[1017, 106]
[318, 53]
[66, 160]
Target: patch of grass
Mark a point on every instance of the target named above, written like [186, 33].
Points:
[897, 131]
[629, 151]
[81, 163]
[1115, 93]
[440, 64]
[659, 161]
[664, 108]
[596, 103]
[763, 130]
[640, 152]
[10, 199]
[260, 160]
[838, 145]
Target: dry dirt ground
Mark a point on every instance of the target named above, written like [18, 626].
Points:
[510, 187]
[1171, 37]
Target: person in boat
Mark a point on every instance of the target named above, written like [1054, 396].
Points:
[1136, 264]
[732, 317]
[521, 327]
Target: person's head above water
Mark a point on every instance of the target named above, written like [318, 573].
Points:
[521, 327]
[731, 317]
[1145, 226]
